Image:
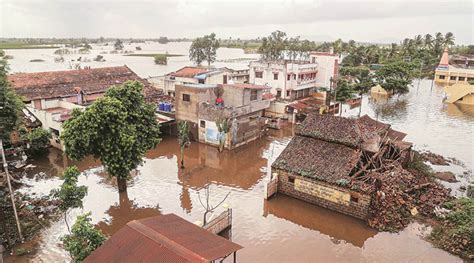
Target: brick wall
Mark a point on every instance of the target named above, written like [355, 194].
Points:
[357, 209]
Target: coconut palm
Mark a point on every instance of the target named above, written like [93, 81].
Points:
[428, 41]
[448, 39]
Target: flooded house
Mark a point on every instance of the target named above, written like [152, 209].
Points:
[459, 69]
[51, 96]
[201, 75]
[164, 238]
[460, 94]
[289, 80]
[320, 162]
[206, 106]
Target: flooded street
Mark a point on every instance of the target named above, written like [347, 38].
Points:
[282, 229]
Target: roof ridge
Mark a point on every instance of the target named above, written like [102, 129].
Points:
[165, 241]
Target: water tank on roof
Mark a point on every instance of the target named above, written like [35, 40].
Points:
[161, 106]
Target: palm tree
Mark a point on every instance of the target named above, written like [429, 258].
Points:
[418, 41]
[428, 43]
[448, 39]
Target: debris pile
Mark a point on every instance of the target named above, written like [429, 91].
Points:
[401, 194]
[434, 158]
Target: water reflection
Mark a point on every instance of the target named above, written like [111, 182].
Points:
[123, 212]
[327, 222]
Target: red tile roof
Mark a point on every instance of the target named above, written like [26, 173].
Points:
[56, 84]
[165, 238]
[188, 72]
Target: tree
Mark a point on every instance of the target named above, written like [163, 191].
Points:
[223, 127]
[211, 46]
[448, 39]
[208, 207]
[163, 40]
[273, 46]
[117, 129]
[204, 49]
[83, 240]
[69, 194]
[118, 44]
[183, 138]
[343, 92]
[11, 105]
[396, 76]
[361, 79]
[38, 139]
[197, 51]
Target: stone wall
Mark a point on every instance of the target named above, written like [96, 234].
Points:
[356, 204]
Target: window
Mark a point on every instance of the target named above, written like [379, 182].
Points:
[186, 97]
[452, 78]
[291, 179]
[202, 124]
[258, 74]
[278, 93]
[253, 95]
[275, 76]
[354, 199]
[442, 76]
[201, 81]
[461, 78]
[470, 79]
[289, 77]
[287, 93]
[224, 80]
[294, 77]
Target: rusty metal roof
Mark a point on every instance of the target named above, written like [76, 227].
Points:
[165, 238]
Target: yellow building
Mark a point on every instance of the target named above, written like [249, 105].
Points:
[379, 90]
[460, 94]
[451, 74]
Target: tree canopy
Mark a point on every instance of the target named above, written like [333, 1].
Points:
[11, 104]
[117, 129]
[118, 45]
[204, 49]
[396, 76]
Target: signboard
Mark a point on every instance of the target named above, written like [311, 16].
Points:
[322, 192]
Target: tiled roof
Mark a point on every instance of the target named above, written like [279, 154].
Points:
[317, 159]
[188, 72]
[55, 84]
[165, 238]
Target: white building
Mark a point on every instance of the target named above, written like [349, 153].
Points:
[200, 75]
[287, 79]
[328, 67]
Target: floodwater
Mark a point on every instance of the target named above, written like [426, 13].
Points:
[282, 229]
[143, 66]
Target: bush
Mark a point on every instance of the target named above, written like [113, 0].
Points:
[161, 59]
[39, 141]
[83, 240]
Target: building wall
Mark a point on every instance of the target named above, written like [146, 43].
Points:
[188, 110]
[335, 198]
[328, 67]
[452, 76]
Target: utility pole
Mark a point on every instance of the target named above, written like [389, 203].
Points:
[5, 167]
[419, 77]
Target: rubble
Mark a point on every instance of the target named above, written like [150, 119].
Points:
[434, 158]
[446, 176]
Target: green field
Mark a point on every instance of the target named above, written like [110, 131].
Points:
[153, 55]
[10, 45]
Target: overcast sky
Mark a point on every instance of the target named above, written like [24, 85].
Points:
[375, 21]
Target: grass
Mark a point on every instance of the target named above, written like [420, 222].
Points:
[153, 55]
[13, 45]
[455, 233]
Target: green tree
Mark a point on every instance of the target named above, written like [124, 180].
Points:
[448, 39]
[70, 194]
[183, 138]
[38, 139]
[211, 46]
[396, 76]
[197, 52]
[11, 104]
[273, 46]
[117, 129]
[84, 238]
[118, 45]
[204, 49]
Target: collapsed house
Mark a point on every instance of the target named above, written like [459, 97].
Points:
[329, 161]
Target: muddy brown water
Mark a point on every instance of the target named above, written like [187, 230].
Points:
[282, 229]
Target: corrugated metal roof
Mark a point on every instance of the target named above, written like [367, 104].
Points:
[165, 238]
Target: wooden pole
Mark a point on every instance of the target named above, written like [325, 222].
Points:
[5, 167]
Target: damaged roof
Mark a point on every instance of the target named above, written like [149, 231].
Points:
[317, 159]
[165, 238]
[57, 84]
